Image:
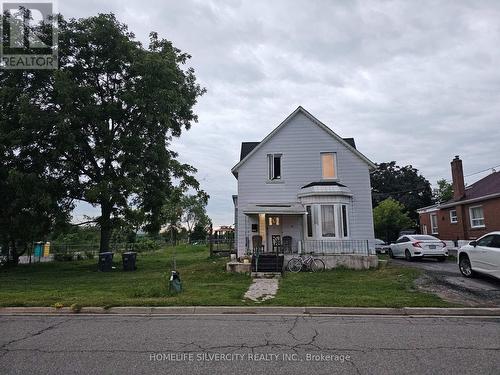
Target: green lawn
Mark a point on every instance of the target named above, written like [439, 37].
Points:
[205, 283]
[390, 286]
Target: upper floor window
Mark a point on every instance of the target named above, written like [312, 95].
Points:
[476, 217]
[274, 166]
[453, 216]
[329, 165]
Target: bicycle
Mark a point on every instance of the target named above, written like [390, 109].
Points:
[305, 262]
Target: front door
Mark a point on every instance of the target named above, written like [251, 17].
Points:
[274, 229]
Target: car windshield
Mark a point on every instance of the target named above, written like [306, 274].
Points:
[425, 238]
[379, 242]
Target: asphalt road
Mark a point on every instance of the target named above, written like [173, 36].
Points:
[445, 279]
[246, 344]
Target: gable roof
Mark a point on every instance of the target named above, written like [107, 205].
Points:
[348, 142]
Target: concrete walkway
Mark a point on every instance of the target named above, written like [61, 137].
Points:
[262, 289]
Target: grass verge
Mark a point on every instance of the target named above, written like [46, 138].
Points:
[205, 283]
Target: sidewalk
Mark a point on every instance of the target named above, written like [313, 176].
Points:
[259, 310]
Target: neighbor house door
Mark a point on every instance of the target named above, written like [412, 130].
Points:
[274, 228]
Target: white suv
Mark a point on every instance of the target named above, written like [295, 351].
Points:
[482, 255]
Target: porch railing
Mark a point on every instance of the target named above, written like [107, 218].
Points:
[333, 247]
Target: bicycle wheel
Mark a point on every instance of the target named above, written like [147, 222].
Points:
[294, 265]
[317, 265]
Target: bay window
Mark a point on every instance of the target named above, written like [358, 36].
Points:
[328, 221]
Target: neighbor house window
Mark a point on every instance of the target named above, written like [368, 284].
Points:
[328, 165]
[453, 216]
[424, 229]
[309, 221]
[274, 166]
[328, 221]
[434, 224]
[476, 217]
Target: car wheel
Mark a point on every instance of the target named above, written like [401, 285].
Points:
[465, 266]
[408, 255]
[391, 255]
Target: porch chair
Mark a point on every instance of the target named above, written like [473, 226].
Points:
[257, 245]
[276, 243]
[287, 244]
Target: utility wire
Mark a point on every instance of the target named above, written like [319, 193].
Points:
[484, 170]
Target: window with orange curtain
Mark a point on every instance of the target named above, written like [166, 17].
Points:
[328, 165]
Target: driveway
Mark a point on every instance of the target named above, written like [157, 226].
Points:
[445, 279]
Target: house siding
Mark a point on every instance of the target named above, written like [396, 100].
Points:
[300, 142]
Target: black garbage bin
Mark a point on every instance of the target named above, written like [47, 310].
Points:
[128, 259]
[105, 262]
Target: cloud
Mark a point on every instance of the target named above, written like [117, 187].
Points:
[415, 82]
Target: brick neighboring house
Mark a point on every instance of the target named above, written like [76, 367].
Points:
[473, 211]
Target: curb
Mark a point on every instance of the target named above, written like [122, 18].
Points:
[258, 310]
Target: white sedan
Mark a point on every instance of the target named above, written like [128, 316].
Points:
[482, 255]
[413, 246]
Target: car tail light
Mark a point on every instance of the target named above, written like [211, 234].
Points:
[416, 244]
[444, 243]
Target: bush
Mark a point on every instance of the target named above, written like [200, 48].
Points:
[146, 245]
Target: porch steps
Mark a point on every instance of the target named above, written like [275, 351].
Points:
[266, 263]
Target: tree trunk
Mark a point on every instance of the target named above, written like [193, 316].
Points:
[106, 228]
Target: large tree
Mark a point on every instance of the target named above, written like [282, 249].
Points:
[389, 218]
[33, 195]
[443, 192]
[110, 111]
[120, 106]
[403, 184]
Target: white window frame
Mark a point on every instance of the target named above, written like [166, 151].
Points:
[335, 220]
[453, 218]
[270, 166]
[339, 226]
[347, 230]
[309, 216]
[335, 171]
[436, 231]
[477, 218]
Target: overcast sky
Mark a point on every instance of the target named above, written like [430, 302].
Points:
[412, 81]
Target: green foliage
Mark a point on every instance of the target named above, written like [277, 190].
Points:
[146, 244]
[403, 184]
[199, 233]
[97, 129]
[443, 192]
[389, 219]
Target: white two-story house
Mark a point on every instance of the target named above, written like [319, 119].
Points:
[303, 188]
